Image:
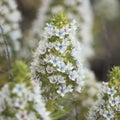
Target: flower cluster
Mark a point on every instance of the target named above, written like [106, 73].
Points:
[56, 63]
[9, 20]
[107, 106]
[84, 101]
[22, 101]
[53, 31]
[80, 10]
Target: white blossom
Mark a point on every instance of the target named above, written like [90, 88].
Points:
[62, 90]
[49, 69]
[111, 91]
[19, 89]
[20, 103]
[73, 75]
[22, 115]
[62, 67]
[53, 79]
[108, 115]
[60, 79]
[114, 101]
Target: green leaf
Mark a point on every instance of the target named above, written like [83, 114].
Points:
[20, 71]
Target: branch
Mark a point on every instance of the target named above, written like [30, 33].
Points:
[7, 53]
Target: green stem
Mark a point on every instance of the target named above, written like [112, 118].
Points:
[7, 53]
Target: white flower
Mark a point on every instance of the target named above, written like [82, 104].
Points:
[53, 96]
[60, 79]
[66, 29]
[49, 27]
[48, 58]
[80, 81]
[11, 101]
[92, 115]
[61, 47]
[111, 91]
[49, 31]
[40, 108]
[69, 66]
[36, 97]
[108, 115]
[69, 88]
[20, 102]
[19, 89]
[32, 116]
[98, 106]
[60, 33]
[49, 69]
[62, 90]
[105, 103]
[101, 111]
[100, 95]
[61, 67]
[55, 60]
[42, 47]
[22, 115]
[50, 45]
[114, 101]
[36, 87]
[41, 69]
[104, 87]
[42, 50]
[53, 79]
[118, 107]
[73, 75]
[29, 96]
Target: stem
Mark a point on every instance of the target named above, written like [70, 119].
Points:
[76, 112]
[7, 53]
